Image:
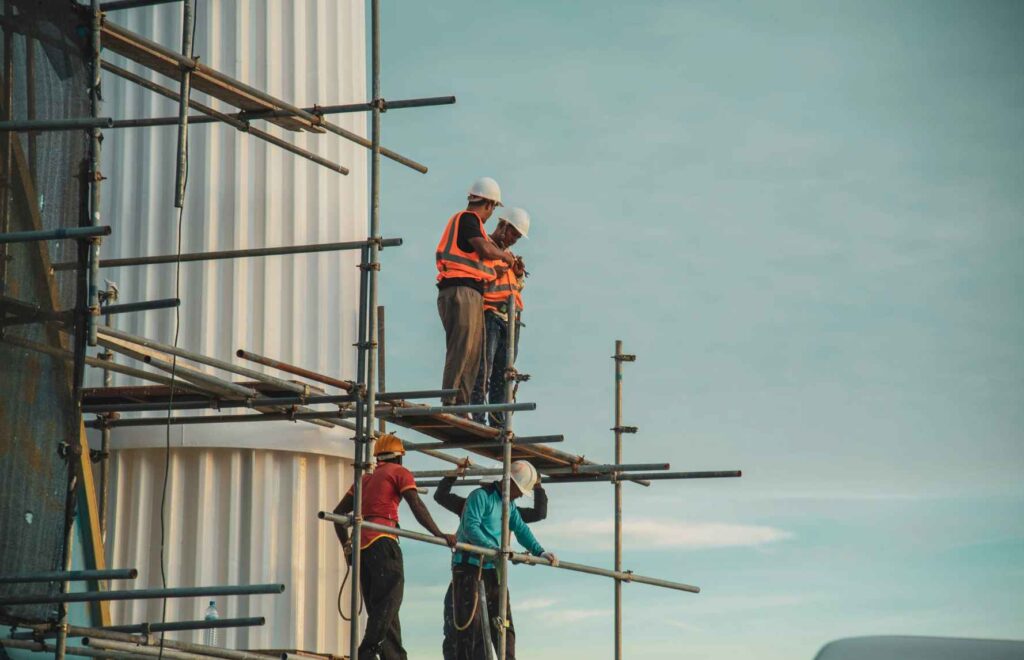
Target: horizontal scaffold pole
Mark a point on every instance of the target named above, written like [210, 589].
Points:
[515, 557]
[484, 444]
[71, 576]
[68, 356]
[115, 5]
[230, 254]
[217, 404]
[200, 624]
[76, 233]
[45, 125]
[77, 651]
[584, 478]
[203, 72]
[300, 415]
[124, 308]
[146, 628]
[346, 385]
[151, 645]
[578, 469]
[142, 594]
[456, 409]
[209, 116]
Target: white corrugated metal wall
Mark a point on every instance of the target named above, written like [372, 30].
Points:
[242, 500]
[235, 516]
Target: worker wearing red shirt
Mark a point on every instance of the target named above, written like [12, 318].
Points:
[382, 579]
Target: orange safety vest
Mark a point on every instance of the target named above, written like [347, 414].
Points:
[453, 262]
[496, 292]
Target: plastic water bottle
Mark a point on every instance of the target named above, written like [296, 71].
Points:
[210, 635]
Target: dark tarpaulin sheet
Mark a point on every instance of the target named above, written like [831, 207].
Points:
[43, 46]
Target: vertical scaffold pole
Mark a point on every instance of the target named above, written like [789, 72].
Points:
[382, 426]
[188, 21]
[506, 477]
[95, 99]
[367, 330]
[619, 429]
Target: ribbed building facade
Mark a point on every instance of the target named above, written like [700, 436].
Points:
[241, 499]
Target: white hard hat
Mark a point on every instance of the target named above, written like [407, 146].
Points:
[518, 218]
[525, 476]
[486, 188]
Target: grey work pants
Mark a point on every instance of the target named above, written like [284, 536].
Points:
[461, 309]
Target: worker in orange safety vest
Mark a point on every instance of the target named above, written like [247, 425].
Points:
[513, 224]
[463, 272]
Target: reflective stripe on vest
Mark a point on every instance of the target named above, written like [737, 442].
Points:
[453, 262]
[496, 293]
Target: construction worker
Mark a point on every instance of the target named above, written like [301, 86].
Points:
[456, 503]
[481, 525]
[382, 577]
[462, 273]
[513, 224]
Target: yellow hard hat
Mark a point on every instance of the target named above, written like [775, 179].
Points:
[388, 445]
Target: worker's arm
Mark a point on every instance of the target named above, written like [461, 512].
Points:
[486, 249]
[523, 534]
[423, 517]
[540, 506]
[472, 528]
[443, 496]
[344, 507]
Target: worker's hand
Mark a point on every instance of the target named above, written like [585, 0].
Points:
[449, 539]
[499, 270]
[550, 556]
[508, 258]
[519, 268]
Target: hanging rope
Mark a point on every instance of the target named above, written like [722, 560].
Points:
[476, 600]
[347, 550]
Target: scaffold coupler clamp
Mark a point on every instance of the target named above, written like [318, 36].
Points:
[379, 104]
[629, 576]
[512, 374]
[625, 429]
[624, 357]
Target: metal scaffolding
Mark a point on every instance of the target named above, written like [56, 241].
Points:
[362, 404]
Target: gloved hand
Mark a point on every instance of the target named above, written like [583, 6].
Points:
[519, 267]
[550, 556]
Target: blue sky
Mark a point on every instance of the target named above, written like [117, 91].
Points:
[806, 220]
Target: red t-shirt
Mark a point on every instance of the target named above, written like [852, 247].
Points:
[382, 492]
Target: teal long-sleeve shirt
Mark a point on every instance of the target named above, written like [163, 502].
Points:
[481, 525]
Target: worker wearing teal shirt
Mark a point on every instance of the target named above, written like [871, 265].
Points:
[481, 525]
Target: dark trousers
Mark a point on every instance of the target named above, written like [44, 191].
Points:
[382, 580]
[461, 309]
[490, 378]
[469, 643]
[448, 645]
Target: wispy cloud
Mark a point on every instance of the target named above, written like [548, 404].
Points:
[671, 534]
[577, 615]
[535, 604]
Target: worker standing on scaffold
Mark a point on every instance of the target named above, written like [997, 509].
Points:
[456, 503]
[513, 224]
[461, 276]
[382, 578]
[481, 525]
